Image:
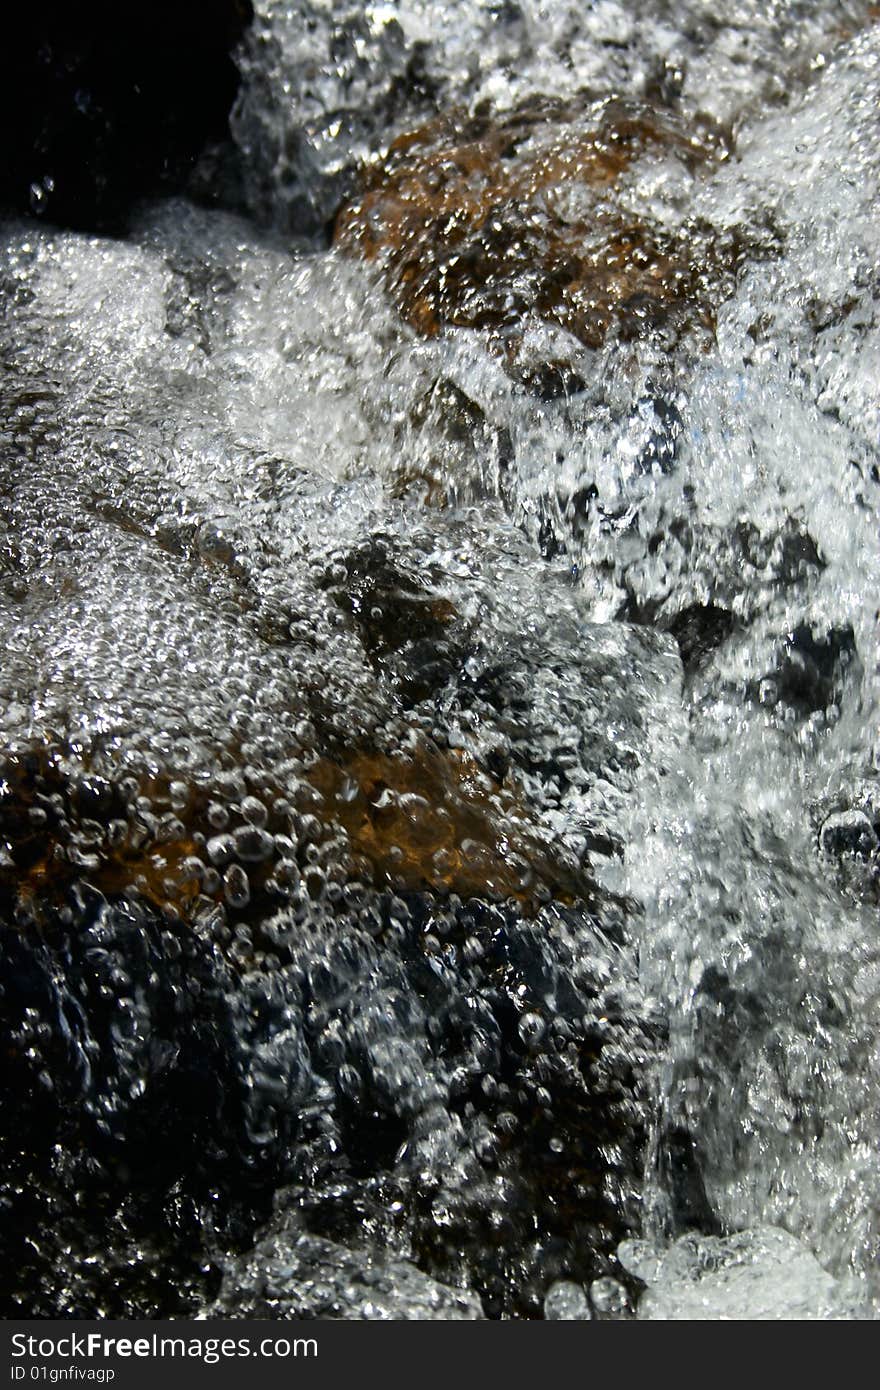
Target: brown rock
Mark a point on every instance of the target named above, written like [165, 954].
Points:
[476, 221]
[432, 819]
[421, 818]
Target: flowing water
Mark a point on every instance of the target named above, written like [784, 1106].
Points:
[441, 791]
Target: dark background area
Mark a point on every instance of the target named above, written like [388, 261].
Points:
[104, 102]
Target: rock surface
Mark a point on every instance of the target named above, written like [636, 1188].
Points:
[327, 88]
[484, 223]
[365, 779]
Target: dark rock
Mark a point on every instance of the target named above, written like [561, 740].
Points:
[681, 1174]
[659, 453]
[749, 569]
[551, 381]
[410, 631]
[452, 1080]
[789, 554]
[509, 1152]
[848, 833]
[811, 668]
[463, 455]
[127, 1112]
[849, 846]
[698, 630]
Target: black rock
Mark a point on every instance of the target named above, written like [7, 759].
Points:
[810, 669]
[661, 448]
[681, 1171]
[699, 629]
[848, 833]
[126, 1110]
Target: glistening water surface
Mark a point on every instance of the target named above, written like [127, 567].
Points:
[439, 612]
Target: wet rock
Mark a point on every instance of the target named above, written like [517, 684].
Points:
[811, 670]
[848, 833]
[327, 88]
[60, 824]
[128, 1078]
[761, 1072]
[102, 110]
[679, 1161]
[418, 842]
[699, 630]
[750, 568]
[406, 623]
[474, 1140]
[479, 221]
[848, 841]
[419, 1002]
[427, 820]
[465, 1082]
[420, 815]
[463, 455]
[290, 1274]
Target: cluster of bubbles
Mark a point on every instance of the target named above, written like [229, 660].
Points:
[308, 806]
[328, 86]
[438, 809]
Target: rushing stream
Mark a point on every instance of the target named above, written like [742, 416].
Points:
[439, 587]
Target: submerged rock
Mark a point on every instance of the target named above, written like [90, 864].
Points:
[327, 88]
[307, 791]
[126, 1046]
[480, 221]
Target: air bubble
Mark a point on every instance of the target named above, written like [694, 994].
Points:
[236, 888]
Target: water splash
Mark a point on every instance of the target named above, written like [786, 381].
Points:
[463, 743]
